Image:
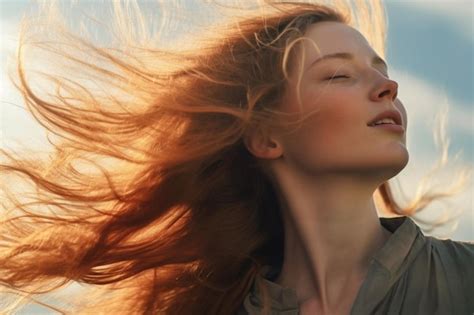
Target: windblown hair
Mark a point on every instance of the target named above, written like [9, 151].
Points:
[150, 196]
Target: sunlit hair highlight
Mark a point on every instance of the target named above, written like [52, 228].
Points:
[149, 197]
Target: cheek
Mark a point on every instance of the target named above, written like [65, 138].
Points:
[338, 117]
[339, 112]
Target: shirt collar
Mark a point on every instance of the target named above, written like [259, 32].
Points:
[402, 246]
[394, 257]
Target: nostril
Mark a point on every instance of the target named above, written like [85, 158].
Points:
[384, 93]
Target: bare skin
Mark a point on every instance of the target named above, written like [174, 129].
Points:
[328, 170]
[327, 255]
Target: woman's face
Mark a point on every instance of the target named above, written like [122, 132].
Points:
[337, 137]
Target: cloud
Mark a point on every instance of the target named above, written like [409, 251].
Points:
[458, 12]
[8, 33]
[423, 101]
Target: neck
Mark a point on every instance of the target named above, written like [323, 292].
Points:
[332, 230]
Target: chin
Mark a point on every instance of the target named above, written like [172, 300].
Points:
[398, 158]
[387, 167]
[397, 166]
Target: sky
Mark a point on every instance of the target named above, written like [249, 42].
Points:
[430, 54]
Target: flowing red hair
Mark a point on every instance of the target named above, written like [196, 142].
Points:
[150, 196]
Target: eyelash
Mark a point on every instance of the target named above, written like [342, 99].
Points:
[337, 76]
[344, 76]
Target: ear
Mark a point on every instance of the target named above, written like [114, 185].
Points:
[261, 145]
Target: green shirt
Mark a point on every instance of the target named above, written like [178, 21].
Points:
[411, 274]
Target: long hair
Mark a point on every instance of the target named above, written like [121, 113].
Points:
[150, 198]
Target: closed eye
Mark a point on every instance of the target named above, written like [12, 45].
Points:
[338, 77]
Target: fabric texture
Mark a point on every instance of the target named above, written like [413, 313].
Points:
[411, 274]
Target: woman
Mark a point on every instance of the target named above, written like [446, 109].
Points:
[242, 181]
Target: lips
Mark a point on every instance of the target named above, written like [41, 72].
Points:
[395, 115]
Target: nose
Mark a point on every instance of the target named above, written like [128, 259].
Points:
[385, 88]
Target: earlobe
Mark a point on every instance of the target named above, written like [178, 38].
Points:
[262, 146]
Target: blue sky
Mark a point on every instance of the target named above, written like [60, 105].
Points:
[430, 53]
[433, 41]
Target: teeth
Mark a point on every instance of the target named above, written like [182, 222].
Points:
[385, 121]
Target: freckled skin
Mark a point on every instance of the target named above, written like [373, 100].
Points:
[337, 138]
[327, 171]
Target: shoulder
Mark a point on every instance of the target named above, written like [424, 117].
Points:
[456, 257]
[441, 275]
[460, 252]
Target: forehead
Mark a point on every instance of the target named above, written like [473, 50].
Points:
[332, 37]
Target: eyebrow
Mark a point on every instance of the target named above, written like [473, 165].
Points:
[376, 60]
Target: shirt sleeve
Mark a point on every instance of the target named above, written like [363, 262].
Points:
[461, 254]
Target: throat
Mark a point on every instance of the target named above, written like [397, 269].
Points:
[340, 306]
